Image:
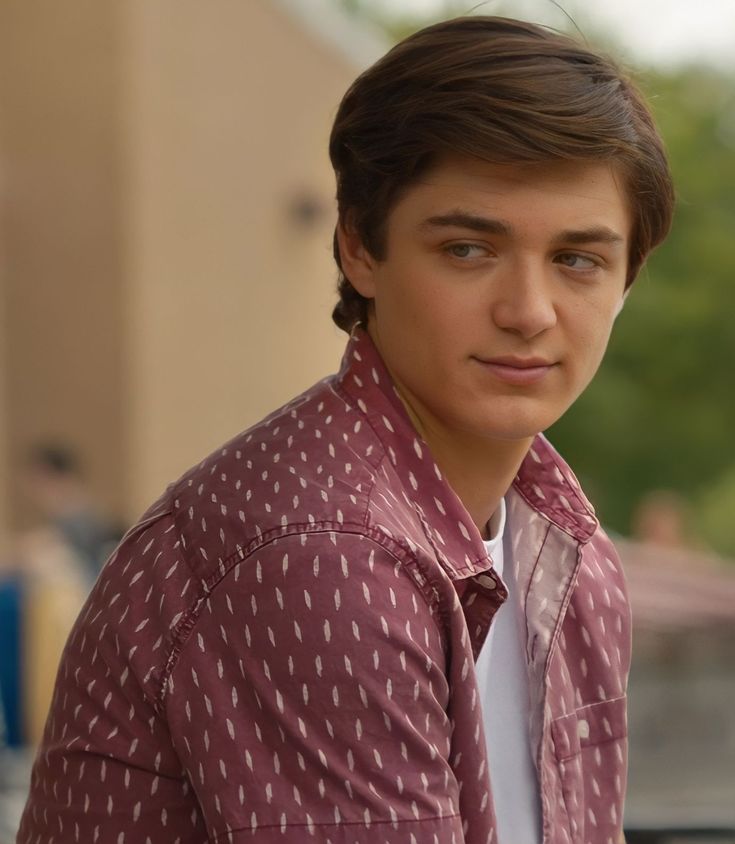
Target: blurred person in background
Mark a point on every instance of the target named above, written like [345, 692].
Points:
[662, 518]
[45, 575]
[388, 610]
[55, 485]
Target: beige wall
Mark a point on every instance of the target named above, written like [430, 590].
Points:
[4, 487]
[159, 293]
[61, 256]
[227, 118]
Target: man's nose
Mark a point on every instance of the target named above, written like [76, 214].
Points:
[523, 300]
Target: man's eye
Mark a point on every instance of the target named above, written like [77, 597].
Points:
[466, 250]
[575, 261]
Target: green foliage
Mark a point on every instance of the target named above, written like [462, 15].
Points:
[717, 505]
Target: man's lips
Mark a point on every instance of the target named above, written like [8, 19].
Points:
[518, 371]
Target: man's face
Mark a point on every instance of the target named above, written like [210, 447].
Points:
[499, 288]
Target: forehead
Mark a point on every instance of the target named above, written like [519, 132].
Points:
[539, 195]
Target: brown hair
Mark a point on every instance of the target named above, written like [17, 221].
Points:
[502, 90]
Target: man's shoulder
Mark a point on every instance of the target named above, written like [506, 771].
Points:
[310, 465]
[307, 468]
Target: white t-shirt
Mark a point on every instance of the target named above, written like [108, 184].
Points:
[503, 683]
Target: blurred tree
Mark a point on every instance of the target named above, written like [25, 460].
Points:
[661, 411]
[716, 508]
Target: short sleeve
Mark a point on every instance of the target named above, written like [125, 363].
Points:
[309, 700]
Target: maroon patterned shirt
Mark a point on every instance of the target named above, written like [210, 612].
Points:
[282, 650]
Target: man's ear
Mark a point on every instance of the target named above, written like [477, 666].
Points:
[358, 265]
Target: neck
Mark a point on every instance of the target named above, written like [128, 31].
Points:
[479, 470]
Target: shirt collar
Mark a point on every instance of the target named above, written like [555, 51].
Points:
[544, 479]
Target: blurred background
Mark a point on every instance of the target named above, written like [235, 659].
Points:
[166, 279]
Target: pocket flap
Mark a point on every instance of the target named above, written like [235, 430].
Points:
[593, 724]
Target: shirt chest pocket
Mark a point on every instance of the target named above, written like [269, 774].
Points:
[590, 745]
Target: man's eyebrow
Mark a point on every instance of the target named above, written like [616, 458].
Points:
[489, 225]
[465, 220]
[595, 234]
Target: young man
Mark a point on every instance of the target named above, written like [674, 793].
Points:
[283, 649]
